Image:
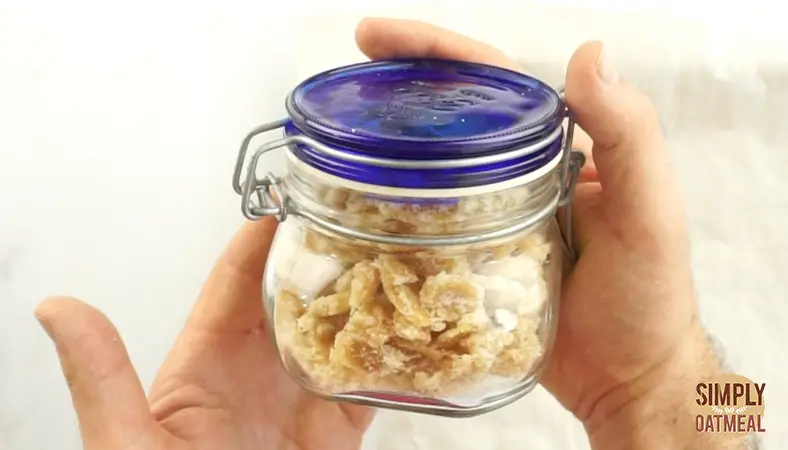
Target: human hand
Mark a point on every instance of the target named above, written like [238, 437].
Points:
[630, 347]
[628, 329]
[221, 387]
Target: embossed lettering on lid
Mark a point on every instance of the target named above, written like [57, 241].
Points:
[424, 109]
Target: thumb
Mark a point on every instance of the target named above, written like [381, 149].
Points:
[639, 191]
[108, 398]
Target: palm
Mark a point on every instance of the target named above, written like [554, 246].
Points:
[222, 385]
[604, 339]
[226, 389]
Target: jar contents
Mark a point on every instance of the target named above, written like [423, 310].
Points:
[437, 322]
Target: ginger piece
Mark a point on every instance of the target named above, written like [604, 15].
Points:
[317, 243]
[424, 365]
[335, 198]
[495, 203]
[406, 216]
[318, 327]
[359, 345]
[406, 299]
[288, 308]
[313, 322]
[353, 351]
[334, 247]
[536, 245]
[533, 243]
[519, 356]
[449, 297]
[396, 226]
[418, 217]
[396, 272]
[330, 305]
[364, 285]
[414, 356]
[428, 383]
[468, 324]
[362, 204]
[485, 346]
[343, 282]
[395, 360]
[389, 367]
[432, 355]
[407, 330]
[374, 323]
[456, 374]
[398, 282]
[427, 264]
[477, 340]
[504, 250]
[316, 338]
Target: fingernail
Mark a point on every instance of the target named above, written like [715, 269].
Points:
[605, 66]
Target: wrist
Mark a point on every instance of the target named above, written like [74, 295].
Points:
[655, 410]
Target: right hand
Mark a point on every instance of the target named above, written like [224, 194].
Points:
[628, 330]
[629, 334]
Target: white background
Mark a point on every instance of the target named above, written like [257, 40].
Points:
[119, 123]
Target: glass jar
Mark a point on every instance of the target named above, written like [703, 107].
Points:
[417, 264]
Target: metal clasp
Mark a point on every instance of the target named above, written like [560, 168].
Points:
[270, 198]
[571, 164]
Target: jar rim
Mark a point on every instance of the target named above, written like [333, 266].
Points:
[375, 188]
[484, 171]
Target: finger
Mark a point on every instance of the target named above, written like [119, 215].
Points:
[398, 38]
[631, 160]
[231, 300]
[108, 398]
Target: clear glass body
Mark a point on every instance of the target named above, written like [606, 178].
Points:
[455, 330]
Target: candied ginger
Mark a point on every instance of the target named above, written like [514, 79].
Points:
[414, 320]
[449, 297]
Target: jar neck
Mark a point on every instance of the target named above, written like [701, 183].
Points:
[452, 213]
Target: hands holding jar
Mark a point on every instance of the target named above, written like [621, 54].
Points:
[624, 356]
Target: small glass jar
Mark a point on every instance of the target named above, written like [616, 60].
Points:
[417, 264]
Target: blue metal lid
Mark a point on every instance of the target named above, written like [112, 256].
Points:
[425, 109]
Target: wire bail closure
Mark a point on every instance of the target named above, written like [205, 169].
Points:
[265, 197]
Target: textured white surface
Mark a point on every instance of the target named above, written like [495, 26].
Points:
[119, 126]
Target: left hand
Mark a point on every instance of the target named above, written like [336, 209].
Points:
[222, 386]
